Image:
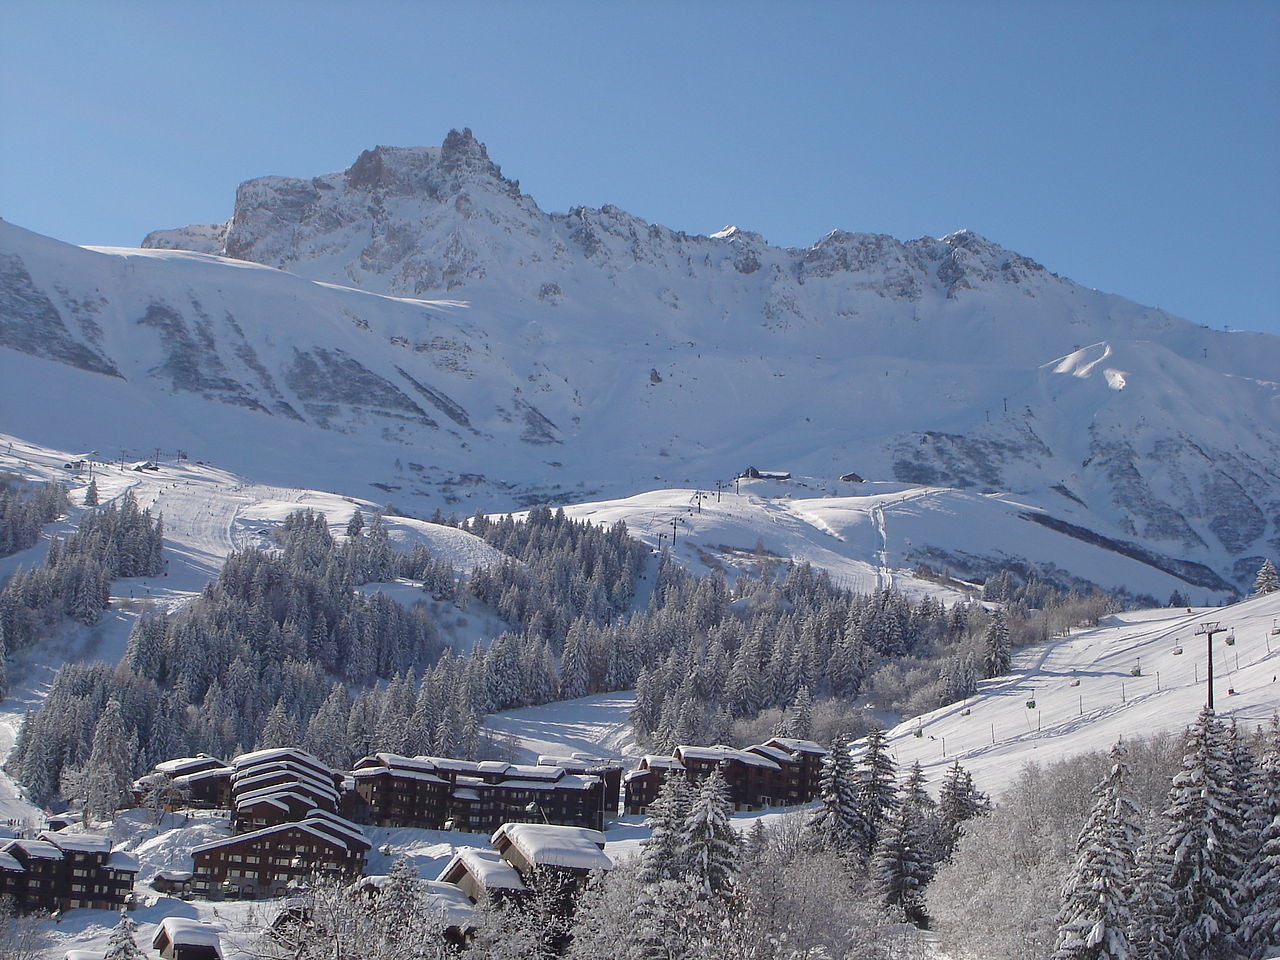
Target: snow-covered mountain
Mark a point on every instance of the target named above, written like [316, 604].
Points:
[439, 337]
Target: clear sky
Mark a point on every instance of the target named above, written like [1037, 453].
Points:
[1133, 146]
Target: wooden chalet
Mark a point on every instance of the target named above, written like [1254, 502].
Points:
[64, 871]
[527, 854]
[447, 901]
[266, 862]
[779, 772]
[205, 780]
[585, 765]
[440, 793]
[271, 787]
[482, 874]
[181, 938]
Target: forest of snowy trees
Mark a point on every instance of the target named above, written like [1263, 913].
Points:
[1173, 855]
[282, 649]
[24, 509]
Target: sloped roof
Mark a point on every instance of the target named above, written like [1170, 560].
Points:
[553, 845]
[489, 869]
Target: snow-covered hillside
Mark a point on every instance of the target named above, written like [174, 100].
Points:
[1079, 693]
[874, 535]
[591, 354]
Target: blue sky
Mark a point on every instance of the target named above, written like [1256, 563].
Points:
[1133, 146]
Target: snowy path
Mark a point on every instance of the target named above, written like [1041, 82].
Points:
[595, 724]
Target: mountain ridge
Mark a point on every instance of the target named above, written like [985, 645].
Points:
[455, 344]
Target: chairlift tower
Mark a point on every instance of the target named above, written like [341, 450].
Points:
[1208, 629]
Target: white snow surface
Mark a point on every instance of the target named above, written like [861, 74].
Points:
[496, 355]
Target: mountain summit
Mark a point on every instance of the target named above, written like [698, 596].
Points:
[440, 337]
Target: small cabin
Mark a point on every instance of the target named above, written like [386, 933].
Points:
[751, 473]
[181, 938]
[851, 478]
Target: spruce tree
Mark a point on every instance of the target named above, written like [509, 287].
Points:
[832, 823]
[662, 852]
[958, 801]
[876, 791]
[1202, 845]
[109, 772]
[91, 494]
[996, 658]
[122, 944]
[1151, 900]
[1095, 918]
[1267, 580]
[710, 845]
[1260, 883]
[900, 866]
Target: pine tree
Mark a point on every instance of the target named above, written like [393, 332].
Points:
[799, 723]
[1202, 845]
[876, 791]
[91, 495]
[1267, 580]
[1152, 901]
[109, 772]
[900, 865]
[709, 843]
[1095, 918]
[833, 822]
[958, 801]
[1260, 883]
[996, 659]
[122, 944]
[662, 852]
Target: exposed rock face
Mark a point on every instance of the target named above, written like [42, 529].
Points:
[639, 353]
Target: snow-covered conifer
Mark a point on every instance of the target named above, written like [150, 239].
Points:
[1260, 883]
[1095, 919]
[996, 658]
[900, 865]
[710, 844]
[122, 944]
[1202, 845]
[91, 494]
[1267, 580]
[662, 852]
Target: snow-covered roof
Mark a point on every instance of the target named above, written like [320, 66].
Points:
[492, 766]
[657, 762]
[183, 931]
[84, 955]
[124, 862]
[278, 753]
[449, 763]
[796, 746]
[570, 781]
[403, 773]
[276, 797]
[322, 829]
[489, 869]
[529, 771]
[9, 862]
[298, 779]
[174, 876]
[397, 762]
[208, 774]
[773, 753]
[39, 849]
[720, 753]
[185, 765]
[466, 793]
[454, 907]
[552, 845]
[77, 842]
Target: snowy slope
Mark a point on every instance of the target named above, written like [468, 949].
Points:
[590, 355]
[874, 535]
[1108, 703]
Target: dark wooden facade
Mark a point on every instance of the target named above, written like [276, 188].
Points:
[66, 871]
[779, 772]
[266, 862]
[441, 793]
